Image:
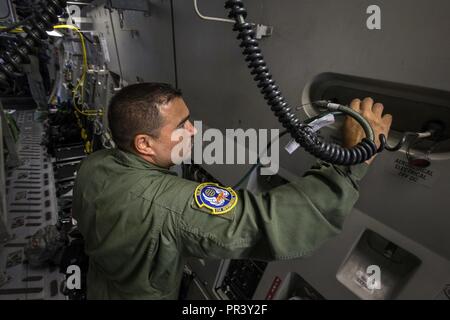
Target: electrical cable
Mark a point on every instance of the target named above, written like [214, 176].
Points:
[16, 25]
[301, 132]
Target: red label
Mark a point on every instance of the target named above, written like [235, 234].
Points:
[273, 288]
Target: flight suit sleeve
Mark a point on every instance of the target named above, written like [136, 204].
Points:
[288, 222]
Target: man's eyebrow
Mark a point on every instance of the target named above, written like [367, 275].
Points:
[184, 120]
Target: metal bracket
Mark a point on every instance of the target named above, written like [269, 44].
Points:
[263, 31]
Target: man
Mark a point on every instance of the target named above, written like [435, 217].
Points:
[140, 221]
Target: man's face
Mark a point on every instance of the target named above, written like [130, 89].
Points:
[175, 117]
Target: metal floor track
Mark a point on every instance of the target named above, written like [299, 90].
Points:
[32, 205]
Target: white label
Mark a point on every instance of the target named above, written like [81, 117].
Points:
[324, 121]
[292, 146]
[105, 50]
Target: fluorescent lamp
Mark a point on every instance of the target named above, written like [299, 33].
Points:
[55, 33]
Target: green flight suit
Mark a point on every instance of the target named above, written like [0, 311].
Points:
[140, 222]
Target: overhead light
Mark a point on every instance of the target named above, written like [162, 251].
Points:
[55, 33]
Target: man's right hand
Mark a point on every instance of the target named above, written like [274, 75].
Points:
[354, 133]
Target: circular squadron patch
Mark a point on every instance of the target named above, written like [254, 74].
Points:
[218, 199]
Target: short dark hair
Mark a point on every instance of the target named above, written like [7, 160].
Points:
[135, 110]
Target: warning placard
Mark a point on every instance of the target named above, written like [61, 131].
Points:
[424, 176]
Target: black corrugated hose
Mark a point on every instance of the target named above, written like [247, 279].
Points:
[301, 132]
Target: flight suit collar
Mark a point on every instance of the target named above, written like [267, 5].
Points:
[131, 160]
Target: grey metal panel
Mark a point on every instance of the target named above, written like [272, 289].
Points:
[148, 55]
[211, 70]
[36, 83]
[420, 212]
[321, 268]
[310, 38]
[103, 28]
[5, 11]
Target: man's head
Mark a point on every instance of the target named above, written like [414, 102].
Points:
[142, 118]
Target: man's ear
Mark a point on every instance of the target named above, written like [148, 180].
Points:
[143, 144]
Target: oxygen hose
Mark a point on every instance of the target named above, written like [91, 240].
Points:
[35, 28]
[301, 132]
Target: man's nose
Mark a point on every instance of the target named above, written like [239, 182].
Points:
[191, 128]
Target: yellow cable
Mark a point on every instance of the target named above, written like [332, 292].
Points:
[16, 30]
[82, 79]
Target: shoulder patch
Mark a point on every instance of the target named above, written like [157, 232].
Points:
[218, 200]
